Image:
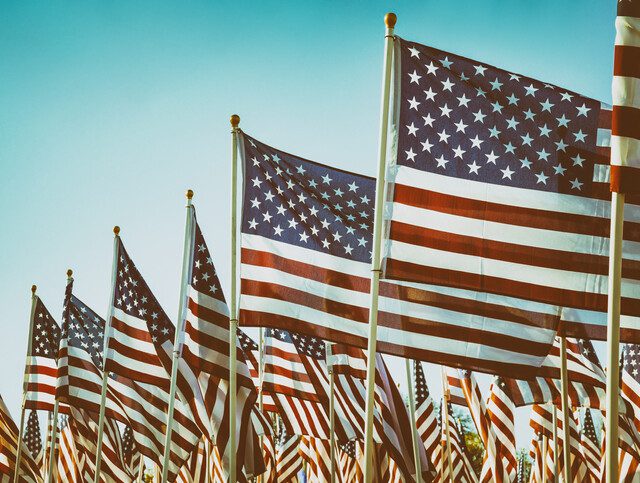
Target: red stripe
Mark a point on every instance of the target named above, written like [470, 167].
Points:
[626, 61]
[626, 122]
[625, 179]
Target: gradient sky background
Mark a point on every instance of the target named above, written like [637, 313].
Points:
[109, 111]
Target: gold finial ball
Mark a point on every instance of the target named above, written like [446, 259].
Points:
[390, 20]
[33, 289]
[69, 273]
[235, 120]
[189, 194]
[116, 230]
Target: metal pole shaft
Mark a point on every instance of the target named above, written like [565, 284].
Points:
[613, 335]
[555, 442]
[25, 384]
[54, 437]
[233, 306]
[545, 443]
[175, 357]
[390, 20]
[566, 432]
[332, 426]
[445, 414]
[414, 426]
[105, 374]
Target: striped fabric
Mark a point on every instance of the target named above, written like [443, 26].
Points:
[501, 410]
[68, 464]
[316, 453]
[288, 460]
[426, 417]
[625, 125]
[351, 460]
[500, 183]
[589, 445]
[29, 471]
[305, 267]
[460, 464]
[252, 355]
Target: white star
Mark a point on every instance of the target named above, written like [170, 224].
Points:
[546, 105]
[460, 126]
[513, 100]
[559, 169]
[300, 169]
[269, 196]
[514, 77]
[432, 68]
[479, 69]
[566, 96]
[458, 152]
[544, 131]
[463, 100]
[563, 121]
[444, 136]
[281, 210]
[411, 156]
[576, 185]
[348, 249]
[542, 178]
[442, 163]
[583, 110]
[526, 139]
[255, 203]
[325, 243]
[266, 217]
[496, 107]
[480, 92]
[303, 237]
[253, 224]
[277, 230]
[561, 145]
[529, 115]
[542, 154]
[473, 167]
[293, 223]
[447, 85]
[493, 132]
[353, 187]
[326, 179]
[580, 136]
[445, 110]
[362, 242]
[506, 173]
[512, 123]
[578, 160]
[476, 142]
[491, 157]
[446, 63]
[479, 116]
[413, 104]
[426, 145]
[414, 52]
[415, 78]
[509, 148]
[412, 129]
[256, 182]
[431, 95]
[495, 85]
[531, 91]
[428, 121]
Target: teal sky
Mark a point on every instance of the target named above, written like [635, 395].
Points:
[109, 111]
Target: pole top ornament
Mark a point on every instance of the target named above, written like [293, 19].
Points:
[390, 20]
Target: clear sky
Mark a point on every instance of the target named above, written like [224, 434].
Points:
[109, 111]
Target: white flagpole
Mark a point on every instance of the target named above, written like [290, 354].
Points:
[613, 335]
[332, 414]
[175, 357]
[390, 21]
[260, 375]
[545, 443]
[566, 432]
[233, 307]
[25, 384]
[105, 374]
[446, 395]
[414, 426]
[555, 439]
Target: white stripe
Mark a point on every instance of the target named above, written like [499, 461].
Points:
[626, 91]
[601, 174]
[603, 138]
[507, 195]
[625, 151]
[627, 29]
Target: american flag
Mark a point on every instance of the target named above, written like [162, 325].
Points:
[351, 459]
[625, 136]
[589, 445]
[306, 241]
[252, 355]
[392, 426]
[542, 422]
[628, 458]
[288, 459]
[270, 475]
[68, 464]
[316, 453]
[42, 369]
[33, 439]
[586, 379]
[141, 406]
[493, 466]
[204, 366]
[629, 440]
[140, 345]
[501, 411]
[426, 418]
[197, 468]
[460, 464]
[453, 386]
[501, 185]
[29, 470]
[131, 457]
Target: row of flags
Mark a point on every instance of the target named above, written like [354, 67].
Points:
[496, 220]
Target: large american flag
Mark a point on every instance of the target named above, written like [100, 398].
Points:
[42, 370]
[625, 139]
[501, 184]
[306, 241]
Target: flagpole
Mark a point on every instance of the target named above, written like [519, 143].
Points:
[25, 383]
[544, 448]
[260, 375]
[613, 335]
[446, 396]
[175, 358]
[555, 440]
[105, 374]
[233, 307]
[390, 21]
[414, 426]
[332, 414]
[564, 387]
[54, 426]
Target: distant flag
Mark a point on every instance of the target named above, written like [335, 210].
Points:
[29, 469]
[501, 411]
[288, 459]
[625, 135]
[68, 467]
[131, 457]
[42, 370]
[452, 437]
[351, 459]
[426, 417]
[251, 353]
[501, 184]
[316, 453]
[589, 445]
[306, 241]
[33, 439]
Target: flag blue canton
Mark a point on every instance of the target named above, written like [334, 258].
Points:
[307, 204]
[84, 329]
[133, 296]
[474, 121]
[203, 274]
[305, 345]
[422, 391]
[631, 360]
[46, 333]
